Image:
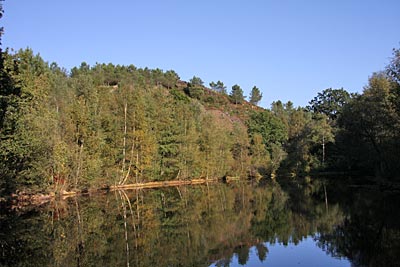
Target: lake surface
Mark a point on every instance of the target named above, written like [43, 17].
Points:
[294, 223]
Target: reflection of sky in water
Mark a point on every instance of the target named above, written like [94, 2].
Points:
[306, 253]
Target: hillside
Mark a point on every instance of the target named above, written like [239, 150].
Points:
[213, 100]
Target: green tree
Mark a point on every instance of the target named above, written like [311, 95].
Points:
[1, 28]
[260, 157]
[194, 91]
[330, 102]
[393, 69]
[26, 121]
[321, 133]
[216, 155]
[273, 132]
[218, 87]
[196, 81]
[255, 95]
[309, 135]
[170, 79]
[240, 150]
[87, 135]
[237, 94]
[370, 127]
[6, 88]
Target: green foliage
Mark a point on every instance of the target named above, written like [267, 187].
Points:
[255, 95]
[393, 69]
[218, 87]
[111, 124]
[170, 79]
[268, 131]
[236, 94]
[196, 81]
[371, 126]
[362, 131]
[194, 91]
[179, 96]
[26, 122]
[308, 138]
[1, 15]
[215, 143]
[329, 102]
[272, 130]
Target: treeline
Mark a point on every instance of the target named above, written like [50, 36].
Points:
[106, 124]
[109, 124]
[366, 126]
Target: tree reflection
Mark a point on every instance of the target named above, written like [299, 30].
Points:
[262, 251]
[370, 236]
[196, 226]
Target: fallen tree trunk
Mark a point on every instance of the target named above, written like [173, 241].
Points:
[24, 199]
[162, 184]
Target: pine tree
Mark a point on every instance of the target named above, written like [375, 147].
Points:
[218, 87]
[237, 94]
[255, 95]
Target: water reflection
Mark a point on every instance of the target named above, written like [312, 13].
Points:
[214, 225]
[303, 254]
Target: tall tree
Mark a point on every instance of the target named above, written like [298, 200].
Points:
[268, 126]
[218, 87]
[25, 149]
[171, 77]
[393, 69]
[215, 152]
[237, 94]
[194, 88]
[255, 95]
[273, 133]
[329, 102]
[371, 126]
[196, 81]
[1, 16]
[321, 133]
[5, 81]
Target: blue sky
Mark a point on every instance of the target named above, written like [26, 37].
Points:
[290, 49]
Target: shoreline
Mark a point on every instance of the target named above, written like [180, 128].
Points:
[24, 199]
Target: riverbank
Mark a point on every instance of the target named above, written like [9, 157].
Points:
[23, 199]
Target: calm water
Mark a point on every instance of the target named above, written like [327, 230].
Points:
[292, 224]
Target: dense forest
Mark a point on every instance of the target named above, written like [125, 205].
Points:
[108, 124]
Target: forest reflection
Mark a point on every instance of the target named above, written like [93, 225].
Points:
[200, 226]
